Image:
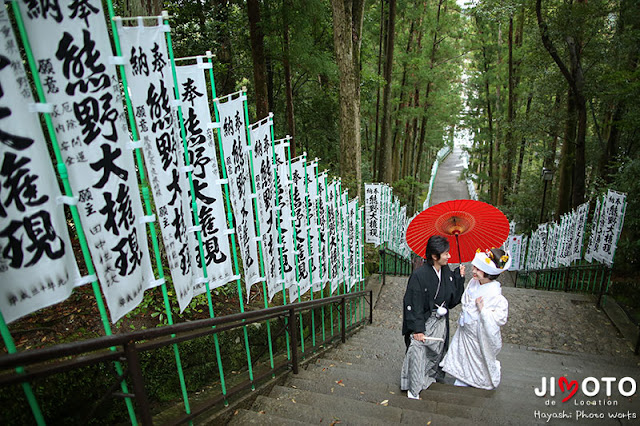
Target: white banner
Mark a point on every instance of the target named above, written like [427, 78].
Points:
[37, 265]
[594, 238]
[152, 94]
[205, 176]
[333, 217]
[372, 213]
[580, 225]
[565, 239]
[352, 231]
[236, 160]
[286, 217]
[71, 45]
[323, 233]
[360, 236]
[523, 252]
[314, 232]
[515, 249]
[263, 169]
[298, 199]
[613, 219]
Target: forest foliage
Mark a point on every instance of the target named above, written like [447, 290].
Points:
[539, 83]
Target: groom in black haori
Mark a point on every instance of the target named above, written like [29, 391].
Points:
[432, 290]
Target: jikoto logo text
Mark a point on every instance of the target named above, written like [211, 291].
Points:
[590, 387]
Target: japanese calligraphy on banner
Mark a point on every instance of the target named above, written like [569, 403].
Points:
[523, 252]
[298, 202]
[236, 160]
[286, 216]
[343, 209]
[372, 202]
[151, 88]
[333, 216]
[594, 238]
[314, 232]
[580, 218]
[71, 46]
[323, 232]
[263, 168]
[565, 239]
[37, 265]
[360, 239]
[514, 247]
[352, 230]
[612, 219]
[205, 176]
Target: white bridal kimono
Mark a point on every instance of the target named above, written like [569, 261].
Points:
[472, 353]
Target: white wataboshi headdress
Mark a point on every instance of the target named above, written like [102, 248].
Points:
[484, 261]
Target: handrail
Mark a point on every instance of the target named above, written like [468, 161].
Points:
[126, 346]
[10, 361]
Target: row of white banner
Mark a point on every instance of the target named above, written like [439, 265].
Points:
[385, 220]
[300, 219]
[554, 245]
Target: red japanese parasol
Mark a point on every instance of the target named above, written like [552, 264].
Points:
[467, 224]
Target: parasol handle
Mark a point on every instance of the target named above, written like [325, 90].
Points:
[458, 246]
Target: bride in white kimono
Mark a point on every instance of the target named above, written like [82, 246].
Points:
[471, 358]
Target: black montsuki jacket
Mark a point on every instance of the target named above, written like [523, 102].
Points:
[423, 294]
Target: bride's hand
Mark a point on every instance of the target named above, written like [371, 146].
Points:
[480, 303]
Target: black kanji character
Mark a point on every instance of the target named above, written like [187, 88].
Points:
[51, 84]
[190, 92]
[198, 187]
[166, 150]
[212, 251]
[45, 66]
[13, 249]
[43, 237]
[107, 165]
[174, 186]
[44, 8]
[159, 61]
[138, 62]
[129, 254]
[125, 208]
[20, 183]
[75, 59]
[82, 9]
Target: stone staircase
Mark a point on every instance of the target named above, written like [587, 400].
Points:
[358, 383]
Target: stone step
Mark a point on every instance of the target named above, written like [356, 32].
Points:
[249, 417]
[454, 414]
[372, 375]
[437, 392]
[341, 408]
[282, 406]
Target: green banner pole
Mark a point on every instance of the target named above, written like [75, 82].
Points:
[229, 215]
[295, 244]
[329, 269]
[361, 260]
[340, 228]
[258, 233]
[320, 247]
[310, 260]
[236, 269]
[280, 240]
